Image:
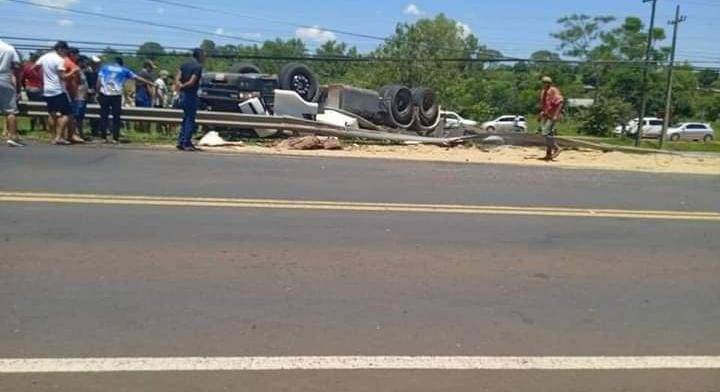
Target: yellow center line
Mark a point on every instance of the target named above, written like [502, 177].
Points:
[170, 201]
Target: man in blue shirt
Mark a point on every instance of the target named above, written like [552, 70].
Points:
[187, 83]
[110, 84]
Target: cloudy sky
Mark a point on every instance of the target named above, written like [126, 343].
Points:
[515, 27]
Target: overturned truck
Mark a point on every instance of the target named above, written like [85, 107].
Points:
[296, 92]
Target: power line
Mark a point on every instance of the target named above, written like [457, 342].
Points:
[268, 20]
[136, 21]
[126, 52]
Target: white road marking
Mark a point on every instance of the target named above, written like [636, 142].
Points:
[188, 364]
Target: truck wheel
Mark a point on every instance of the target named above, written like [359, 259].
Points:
[302, 80]
[428, 108]
[399, 105]
[244, 68]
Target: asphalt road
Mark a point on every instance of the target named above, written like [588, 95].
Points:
[86, 280]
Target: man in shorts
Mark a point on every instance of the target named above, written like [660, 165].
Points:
[77, 90]
[551, 104]
[9, 88]
[54, 90]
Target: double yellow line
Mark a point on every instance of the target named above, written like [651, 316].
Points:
[167, 201]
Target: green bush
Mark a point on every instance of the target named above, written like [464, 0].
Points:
[601, 118]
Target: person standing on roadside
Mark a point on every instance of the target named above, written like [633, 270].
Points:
[110, 84]
[77, 93]
[551, 106]
[161, 97]
[187, 83]
[9, 90]
[54, 91]
[144, 92]
[81, 97]
[31, 79]
[91, 76]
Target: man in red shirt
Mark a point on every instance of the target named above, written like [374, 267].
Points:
[551, 106]
[31, 79]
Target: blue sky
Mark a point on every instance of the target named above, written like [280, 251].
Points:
[515, 27]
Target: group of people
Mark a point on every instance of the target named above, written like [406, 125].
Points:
[66, 81]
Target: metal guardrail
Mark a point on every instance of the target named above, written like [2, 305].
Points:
[250, 121]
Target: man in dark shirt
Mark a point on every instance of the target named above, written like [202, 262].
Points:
[187, 83]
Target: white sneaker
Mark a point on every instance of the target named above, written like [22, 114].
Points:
[14, 143]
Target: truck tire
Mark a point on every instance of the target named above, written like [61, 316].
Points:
[244, 68]
[398, 102]
[427, 107]
[302, 80]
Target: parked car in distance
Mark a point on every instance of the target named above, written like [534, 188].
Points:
[454, 120]
[652, 127]
[506, 124]
[691, 131]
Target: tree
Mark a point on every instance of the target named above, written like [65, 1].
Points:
[602, 117]
[580, 33]
[334, 71]
[707, 77]
[544, 55]
[420, 43]
[150, 50]
[628, 42]
[208, 46]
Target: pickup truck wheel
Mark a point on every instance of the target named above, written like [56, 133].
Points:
[244, 68]
[399, 104]
[302, 80]
[675, 137]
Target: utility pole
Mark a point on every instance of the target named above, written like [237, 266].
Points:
[643, 88]
[668, 97]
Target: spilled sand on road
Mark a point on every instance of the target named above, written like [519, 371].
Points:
[528, 156]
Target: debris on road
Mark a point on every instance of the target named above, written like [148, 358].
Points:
[213, 139]
[311, 143]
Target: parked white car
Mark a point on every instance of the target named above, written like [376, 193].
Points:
[651, 127]
[506, 124]
[454, 120]
[691, 131]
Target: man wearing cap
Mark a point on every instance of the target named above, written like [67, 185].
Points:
[9, 89]
[551, 106]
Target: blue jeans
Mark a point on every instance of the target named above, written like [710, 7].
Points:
[189, 105]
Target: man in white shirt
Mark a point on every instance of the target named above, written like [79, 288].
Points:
[54, 90]
[9, 89]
